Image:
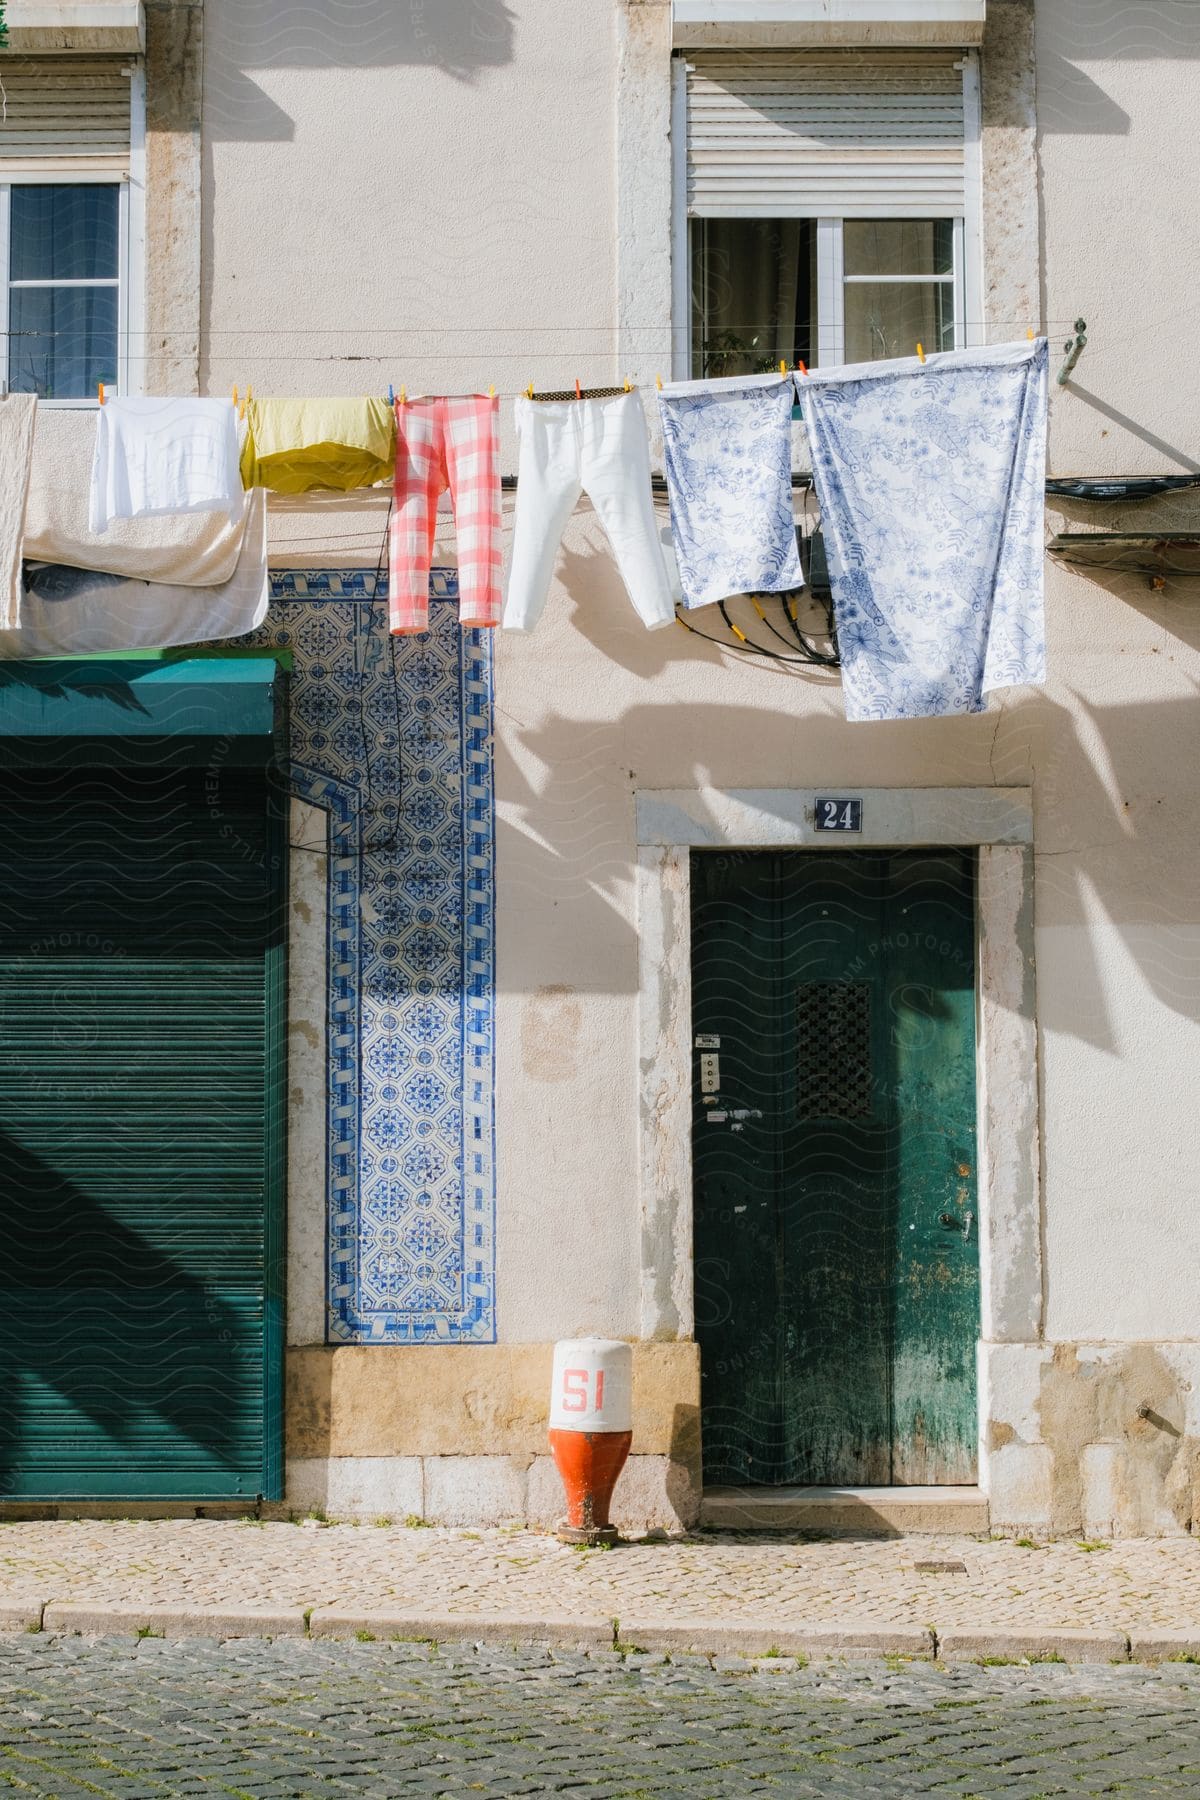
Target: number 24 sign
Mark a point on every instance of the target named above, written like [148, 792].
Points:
[836, 813]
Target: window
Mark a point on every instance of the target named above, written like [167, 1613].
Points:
[63, 287]
[830, 205]
[72, 142]
[821, 292]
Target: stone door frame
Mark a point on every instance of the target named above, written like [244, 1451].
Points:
[998, 822]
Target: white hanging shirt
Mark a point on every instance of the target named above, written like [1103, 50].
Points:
[165, 456]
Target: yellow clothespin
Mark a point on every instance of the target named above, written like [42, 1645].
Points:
[782, 366]
[658, 383]
[529, 392]
[628, 385]
[491, 391]
[920, 353]
[1029, 334]
[248, 397]
[235, 396]
[403, 393]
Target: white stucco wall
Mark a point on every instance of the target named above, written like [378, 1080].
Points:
[1117, 806]
[450, 183]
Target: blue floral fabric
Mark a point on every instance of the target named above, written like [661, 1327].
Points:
[727, 451]
[931, 481]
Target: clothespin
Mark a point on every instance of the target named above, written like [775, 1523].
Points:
[403, 393]
[235, 396]
[628, 386]
[391, 395]
[1029, 333]
[782, 366]
[491, 390]
[801, 368]
[529, 392]
[577, 393]
[920, 353]
[100, 391]
[658, 383]
[249, 395]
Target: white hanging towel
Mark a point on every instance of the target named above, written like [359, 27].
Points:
[727, 452]
[931, 478]
[164, 456]
[186, 549]
[80, 612]
[17, 413]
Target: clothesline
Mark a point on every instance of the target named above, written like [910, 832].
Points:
[929, 472]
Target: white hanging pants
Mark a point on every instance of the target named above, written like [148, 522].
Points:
[597, 447]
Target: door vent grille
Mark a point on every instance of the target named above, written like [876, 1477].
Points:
[833, 1050]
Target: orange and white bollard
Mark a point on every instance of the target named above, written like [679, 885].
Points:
[591, 1428]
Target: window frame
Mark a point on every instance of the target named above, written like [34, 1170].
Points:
[831, 276]
[130, 278]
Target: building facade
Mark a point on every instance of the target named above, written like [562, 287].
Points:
[877, 1145]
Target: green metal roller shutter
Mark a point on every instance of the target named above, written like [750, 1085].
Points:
[142, 888]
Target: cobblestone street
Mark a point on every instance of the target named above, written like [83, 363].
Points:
[150, 1717]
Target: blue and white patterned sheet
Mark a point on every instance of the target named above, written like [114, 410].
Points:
[931, 482]
[727, 452]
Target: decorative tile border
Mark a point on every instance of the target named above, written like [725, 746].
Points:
[392, 738]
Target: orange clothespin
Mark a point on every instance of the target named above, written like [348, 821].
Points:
[100, 391]
[235, 396]
[920, 353]
[801, 368]
[577, 393]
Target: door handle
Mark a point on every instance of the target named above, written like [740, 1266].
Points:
[952, 1222]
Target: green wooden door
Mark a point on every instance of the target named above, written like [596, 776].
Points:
[141, 1013]
[836, 1247]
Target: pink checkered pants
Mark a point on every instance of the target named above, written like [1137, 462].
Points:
[440, 443]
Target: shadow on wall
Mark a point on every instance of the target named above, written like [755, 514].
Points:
[459, 38]
[1115, 807]
[1094, 32]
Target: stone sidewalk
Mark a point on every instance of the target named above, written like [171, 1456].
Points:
[743, 1594]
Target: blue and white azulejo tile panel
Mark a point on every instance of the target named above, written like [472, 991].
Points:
[392, 738]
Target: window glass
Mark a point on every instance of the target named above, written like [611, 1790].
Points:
[898, 246]
[62, 340]
[754, 300]
[63, 297]
[64, 233]
[890, 318]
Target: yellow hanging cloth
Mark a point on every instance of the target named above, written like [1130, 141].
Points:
[294, 446]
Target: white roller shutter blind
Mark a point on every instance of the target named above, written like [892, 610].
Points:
[825, 133]
[64, 112]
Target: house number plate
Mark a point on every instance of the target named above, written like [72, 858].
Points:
[834, 812]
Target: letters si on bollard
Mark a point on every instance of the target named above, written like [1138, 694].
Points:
[591, 1428]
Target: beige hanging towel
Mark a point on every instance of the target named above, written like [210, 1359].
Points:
[184, 549]
[17, 413]
[296, 446]
[78, 612]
